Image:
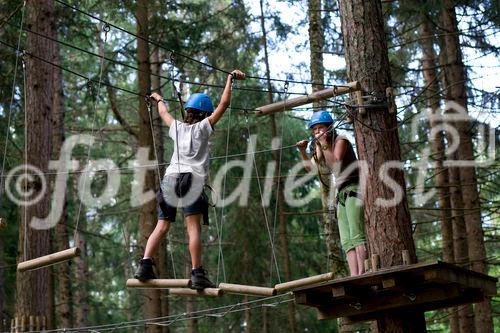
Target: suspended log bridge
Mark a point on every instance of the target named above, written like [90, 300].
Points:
[159, 283]
[48, 260]
[417, 287]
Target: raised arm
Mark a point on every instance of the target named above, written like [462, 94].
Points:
[226, 97]
[162, 109]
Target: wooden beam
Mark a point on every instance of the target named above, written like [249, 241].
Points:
[375, 262]
[48, 260]
[315, 96]
[207, 292]
[281, 287]
[159, 283]
[390, 301]
[247, 290]
[406, 257]
[312, 298]
[388, 283]
[469, 280]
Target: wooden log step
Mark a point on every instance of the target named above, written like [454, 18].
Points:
[159, 283]
[207, 292]
[247, 290]
[48, 260]
[281, 287]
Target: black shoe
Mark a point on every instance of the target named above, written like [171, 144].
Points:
[145, 270]
[199, 280]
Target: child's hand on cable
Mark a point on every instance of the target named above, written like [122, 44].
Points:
[157, 97]
[302, 145]
[238, 75]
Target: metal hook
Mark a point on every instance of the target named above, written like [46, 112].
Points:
[147, 98]
[90, 86]
[412, 297]
[106, 28]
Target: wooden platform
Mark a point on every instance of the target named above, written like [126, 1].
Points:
[423, 286]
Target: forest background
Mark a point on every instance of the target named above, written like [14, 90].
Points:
[98, 51]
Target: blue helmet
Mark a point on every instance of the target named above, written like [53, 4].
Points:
[320, 117]
[200, 102]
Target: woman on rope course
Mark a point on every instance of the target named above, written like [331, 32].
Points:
[184, 179]
[333, 154]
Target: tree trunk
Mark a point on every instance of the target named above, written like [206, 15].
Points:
[147, 219]
[460, 248]
[64, 302]
[283, 236]
[388, 226]
[316, 44]
[265, 322]
[3, 317]
[455, 90]
[429, 62]
[33, 288]
[158, 134]
[128, 273]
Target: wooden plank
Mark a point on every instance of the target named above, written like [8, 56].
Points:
[339, 291]
[389, 283]
[382, 302]
[313, 298]
[414, 273]
[466, 297]
[315, 96]
[446, 275]
[159, 283]
[49, 259]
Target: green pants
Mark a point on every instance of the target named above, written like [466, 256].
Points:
[350, 218]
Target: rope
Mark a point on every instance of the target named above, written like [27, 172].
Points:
[157, 44]
[263, 208]
[285, 90]
[220, 258]
[96, 100]
[11, 104]
[25, 208]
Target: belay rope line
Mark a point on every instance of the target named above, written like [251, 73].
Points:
[220, 258]
[285, 96]
[96, 94]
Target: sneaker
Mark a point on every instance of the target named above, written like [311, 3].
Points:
[145, 270]
[199, 280]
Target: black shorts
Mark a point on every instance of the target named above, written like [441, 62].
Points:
[168, 212]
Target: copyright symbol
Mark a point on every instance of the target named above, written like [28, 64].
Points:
[25, 185]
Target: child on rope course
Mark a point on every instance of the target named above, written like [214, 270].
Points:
[333, 154]
[185, 177]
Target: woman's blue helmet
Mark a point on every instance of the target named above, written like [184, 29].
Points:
[320, 117]
[200, 102]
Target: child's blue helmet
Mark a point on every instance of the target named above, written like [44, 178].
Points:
[200, 102]
[320, 117]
